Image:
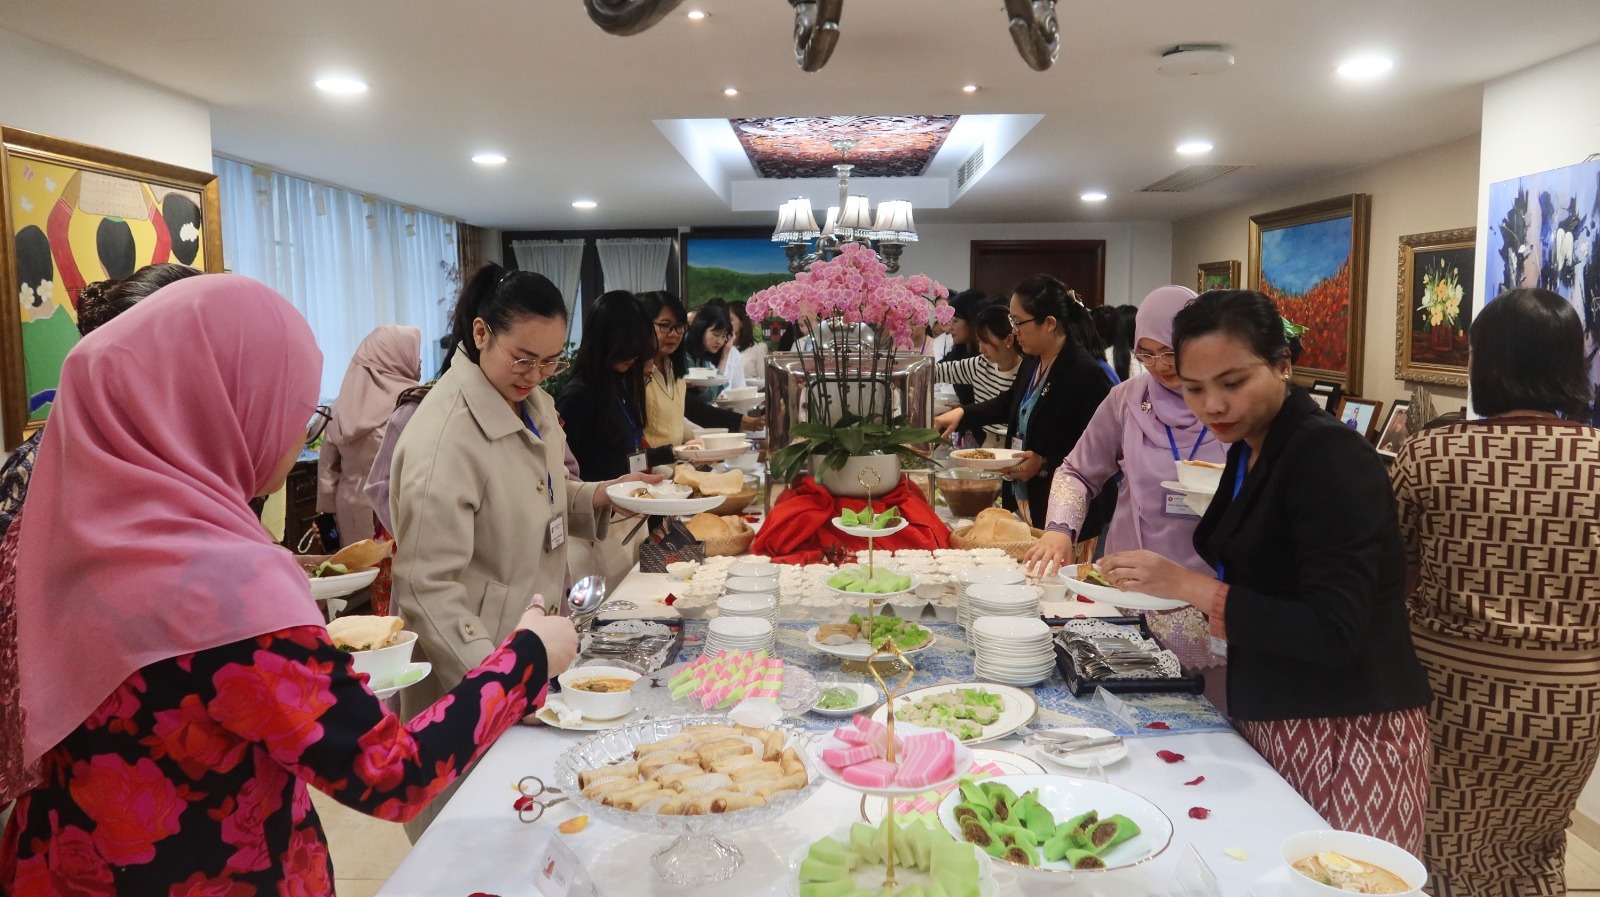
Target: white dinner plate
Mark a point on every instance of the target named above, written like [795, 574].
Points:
[859, 650]
[1016, 707]
[411, 675]
[589, 725]
[1066, 797]
[705, 456]
[963, 763]
[1118, 597]
[706, 382]
[342, 585]
[1003, 458]
[867, 532]
[622, 495]
[1085, 759]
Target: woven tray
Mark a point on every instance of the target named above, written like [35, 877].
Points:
[959, 539]
[734, 545]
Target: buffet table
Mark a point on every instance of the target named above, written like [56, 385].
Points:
[478, 846]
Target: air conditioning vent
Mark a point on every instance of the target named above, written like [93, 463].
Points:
[1189, 178]
[969, 168]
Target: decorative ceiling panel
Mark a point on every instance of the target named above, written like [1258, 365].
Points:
[887, 146]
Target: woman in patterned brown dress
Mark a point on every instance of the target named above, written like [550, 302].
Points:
[1502, 523]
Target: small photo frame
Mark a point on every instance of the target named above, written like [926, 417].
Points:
[1394, 428]
[1218, 276]
[1360, 415]
[1327, 394]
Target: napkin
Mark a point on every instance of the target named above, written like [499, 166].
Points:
[757, 713]
[555, 711]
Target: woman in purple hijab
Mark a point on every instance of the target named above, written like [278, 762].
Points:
[1141, 431]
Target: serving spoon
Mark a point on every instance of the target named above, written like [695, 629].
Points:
[584, 601]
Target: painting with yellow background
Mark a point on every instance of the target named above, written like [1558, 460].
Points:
[72, 228]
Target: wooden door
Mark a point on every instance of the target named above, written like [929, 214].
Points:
[999, 265]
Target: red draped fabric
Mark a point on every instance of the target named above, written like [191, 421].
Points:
[797, 531]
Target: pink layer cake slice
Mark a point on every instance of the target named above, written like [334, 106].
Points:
[871, 774]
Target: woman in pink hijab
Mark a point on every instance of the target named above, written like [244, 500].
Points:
[1142, 430]
[178, 691]
[387, 363]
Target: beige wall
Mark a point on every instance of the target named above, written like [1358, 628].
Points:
[1433, 190]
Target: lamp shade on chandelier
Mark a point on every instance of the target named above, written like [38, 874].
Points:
[851, 221]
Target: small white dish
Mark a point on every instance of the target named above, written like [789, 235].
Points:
[548, 716]
[867, 532]
[742, 392]
[1118, 597]
[963, 762]
[668, 489]
[1003, 459]
[866, 696]
[708, 455]
[600, 706]
[623, 496]
[682, 570]
[411, 675]
[718, 441]
[1085, 759]
[323, 587]
[753, 568]
[387, 662]
[755, 585]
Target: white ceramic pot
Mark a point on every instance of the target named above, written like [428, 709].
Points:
[846, 483]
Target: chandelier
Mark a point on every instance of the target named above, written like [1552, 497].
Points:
[850, 221]
[816, 26]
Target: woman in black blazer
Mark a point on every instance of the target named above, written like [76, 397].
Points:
[602, 406]
[1050, 402]
[1310, 588]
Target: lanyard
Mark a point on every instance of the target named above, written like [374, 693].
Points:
[1238, 484]
[638, 438]
[1172, 441]
[549, 482]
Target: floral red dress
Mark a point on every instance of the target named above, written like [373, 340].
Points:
[190, 780]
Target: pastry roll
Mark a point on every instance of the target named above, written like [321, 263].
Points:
[727, 747]
[788, 783]
[622, 770]
[657, 762]
[791, 762]
[609, 786]
[671, 745]
[764, 770]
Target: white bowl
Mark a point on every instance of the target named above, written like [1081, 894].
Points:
[752, 568]
[324, 587]
[741, 392]
[682, 570]
[710, 431]
[719, 441]
[1199, 475]
[383, 664]
[593, 704]
[700, 373]
[667, 489]
[1361, 848]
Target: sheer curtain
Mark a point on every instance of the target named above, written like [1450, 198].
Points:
[636, 265]
[348, 263]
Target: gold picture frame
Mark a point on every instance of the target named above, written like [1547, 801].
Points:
[71, 215]
[1433, 306]
[1312, 261]
[1217, 276]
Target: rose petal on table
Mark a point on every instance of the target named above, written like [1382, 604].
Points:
[1198, 812]
[1085, 600]
[523, 803]
[1236, 853]
[1169, 756]
[1158, 724]
[1195, 781]
[671, 599]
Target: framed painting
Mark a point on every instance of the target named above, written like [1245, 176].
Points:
[1394, 428]
[1543, 230]
[1434, 306]
[732, 264]
[1360, 415]
[73, 215]
[1218, 276]
[1327, 394]
[1312, 261]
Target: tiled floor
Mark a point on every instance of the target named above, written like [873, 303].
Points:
[366, 852]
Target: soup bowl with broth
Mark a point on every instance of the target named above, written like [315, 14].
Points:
[598, 692]
[1330, 863]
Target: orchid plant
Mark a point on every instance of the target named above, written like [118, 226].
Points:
[846, 293]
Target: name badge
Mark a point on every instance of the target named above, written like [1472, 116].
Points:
[557, 534]
[636, 462]
[1177, 507]
[1016, 443]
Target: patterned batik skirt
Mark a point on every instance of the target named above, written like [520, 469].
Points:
[1366, 774]
[1516, 729]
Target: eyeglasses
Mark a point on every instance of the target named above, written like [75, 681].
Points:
[1168, 358]
[320, 419]
[1016, 323]
[664, 327]
[547, 368]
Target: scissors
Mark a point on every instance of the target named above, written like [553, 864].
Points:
[530, 808]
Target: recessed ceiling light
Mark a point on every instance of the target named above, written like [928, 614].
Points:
[489, 159]
[341, 85]
[1093, 196]
[969, 88]
[730, 91]
[1194, 148]
[697, 15]
[1365, 68]
[584, 204]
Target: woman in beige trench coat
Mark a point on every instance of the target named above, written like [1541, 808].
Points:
[482, 503]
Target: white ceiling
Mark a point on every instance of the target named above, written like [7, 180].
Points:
[574, 108]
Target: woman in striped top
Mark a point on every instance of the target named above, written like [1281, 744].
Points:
[989, 373]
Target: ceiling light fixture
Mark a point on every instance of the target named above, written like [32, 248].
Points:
[970, 88]
[584, 204]
[1365, 68]
[850, 221]
[344, 86]
[730, 91]
[489, 159]
[697, 15]
[1194, 148]
[1092, 196]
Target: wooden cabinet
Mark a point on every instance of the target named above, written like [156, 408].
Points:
[300, 514]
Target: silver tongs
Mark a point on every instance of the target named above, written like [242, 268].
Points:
[1059, 743]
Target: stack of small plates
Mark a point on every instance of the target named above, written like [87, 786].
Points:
[985, 600]
[743, 604]
[739, 634]
[1011, 650]
[966, 579]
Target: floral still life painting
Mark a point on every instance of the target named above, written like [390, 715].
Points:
[1434, 306]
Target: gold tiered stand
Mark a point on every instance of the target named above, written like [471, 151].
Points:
[870, 480]
[891, 650]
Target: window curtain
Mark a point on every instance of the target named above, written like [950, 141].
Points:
[349, 263]
[559, 260]
[636, 265]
